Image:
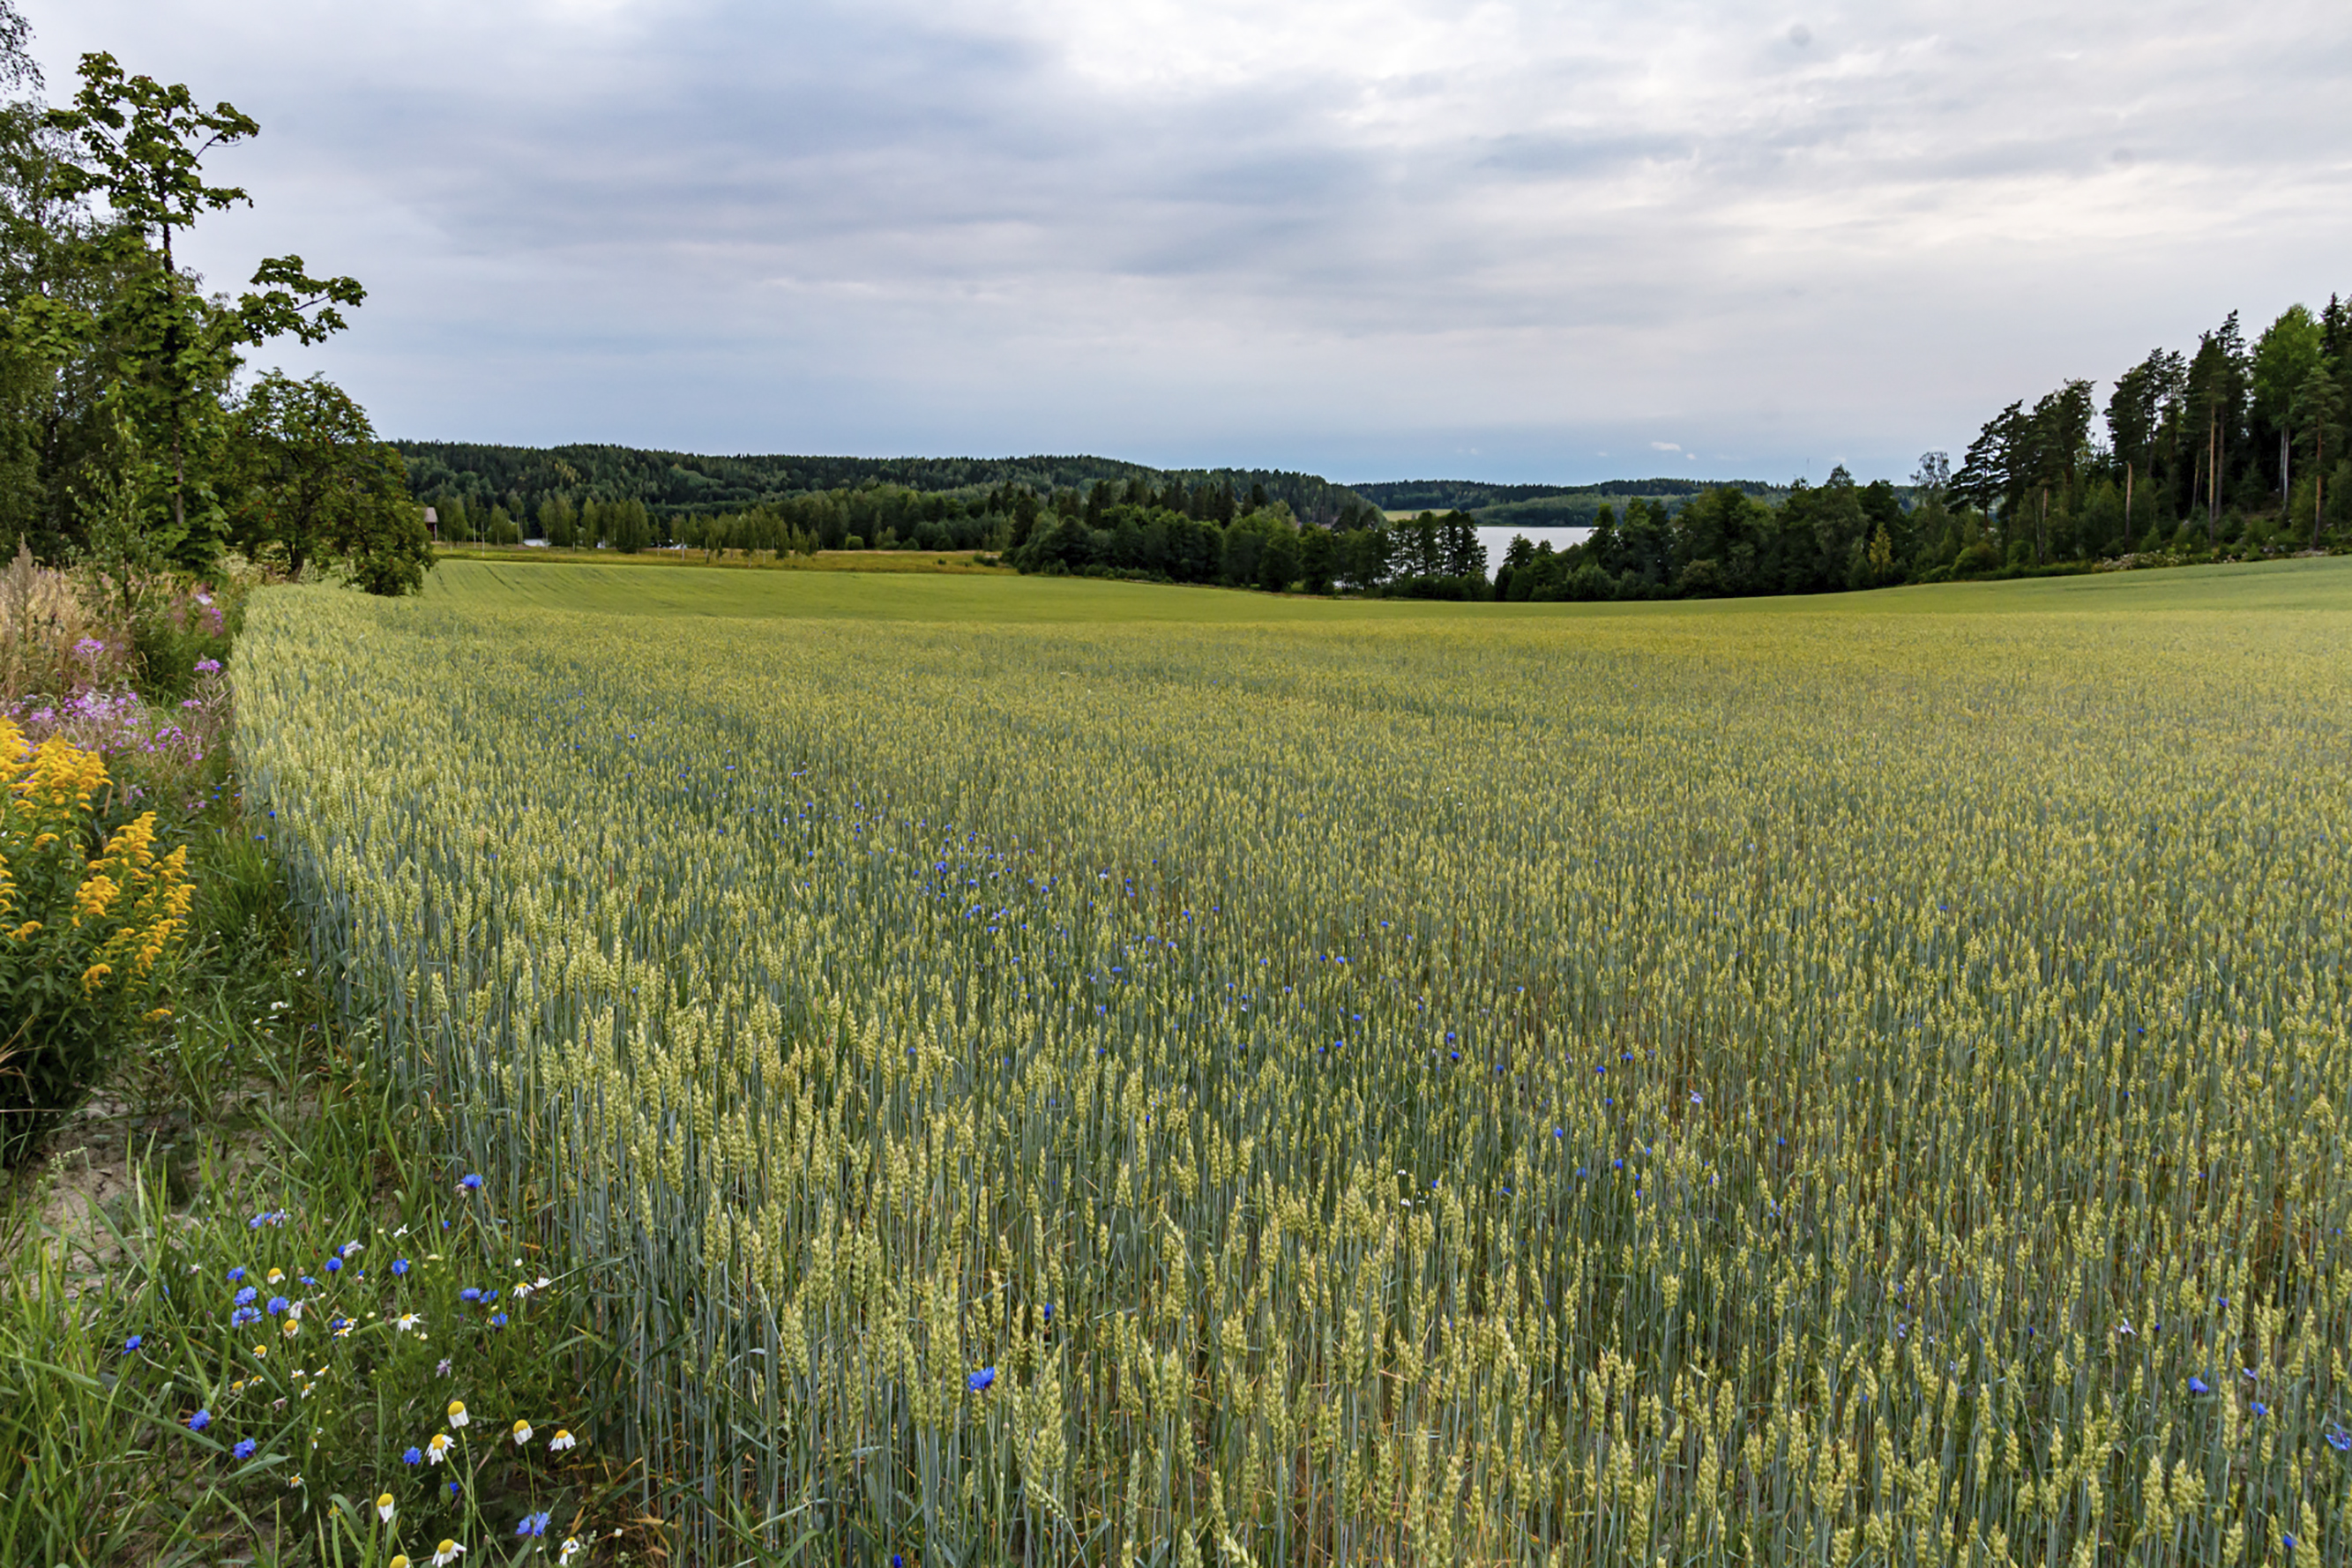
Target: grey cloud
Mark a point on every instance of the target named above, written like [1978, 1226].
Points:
[737, 224]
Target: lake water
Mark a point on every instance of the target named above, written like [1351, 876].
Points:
[1497, 541]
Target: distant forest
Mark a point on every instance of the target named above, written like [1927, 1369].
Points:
[1474, 496]
[2233, 451]
[481, 490]
[1548, 506]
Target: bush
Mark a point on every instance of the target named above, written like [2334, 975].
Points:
[82, 937]
[177, 632]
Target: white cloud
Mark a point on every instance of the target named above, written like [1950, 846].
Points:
[1354, 235]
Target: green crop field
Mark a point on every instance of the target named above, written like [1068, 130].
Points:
[1060, 1070]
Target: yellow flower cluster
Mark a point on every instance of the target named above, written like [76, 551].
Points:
[149, 896]
[126, 909]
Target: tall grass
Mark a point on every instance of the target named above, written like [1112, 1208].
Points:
[208, 1364]
[1756, 1088]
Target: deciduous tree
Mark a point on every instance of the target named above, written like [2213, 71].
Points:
[312, 480]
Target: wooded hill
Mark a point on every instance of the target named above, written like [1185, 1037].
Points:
[1548, 505]
[685, 484]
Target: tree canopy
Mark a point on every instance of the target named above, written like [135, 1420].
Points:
[125, 428]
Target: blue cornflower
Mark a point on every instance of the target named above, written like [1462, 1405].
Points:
[470, 1293]
[244, 1450]
[243, 1316]
[453, 1488]
[200, 1420]
[414, 1457]
[2340, 1440]
[978, 1381]
[235, 1275]
[498, 1320]
[532, 1524]
[244, 1298]
[399, 1266]
[334, 1266]
[2198, 1385]
[2258, 1407]
[471, 1183]
[133, 1342]
[279, 1304]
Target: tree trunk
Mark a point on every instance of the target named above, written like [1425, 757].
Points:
[2129, 537]
[171, 363]
[2213, 483]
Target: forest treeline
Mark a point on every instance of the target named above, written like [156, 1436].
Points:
[833, 499]
[2230, 451]
[1547, 506]
[2229, 446]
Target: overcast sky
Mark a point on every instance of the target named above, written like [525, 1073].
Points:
[1369, 238]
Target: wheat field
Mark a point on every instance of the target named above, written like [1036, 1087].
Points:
[1849, 1082]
